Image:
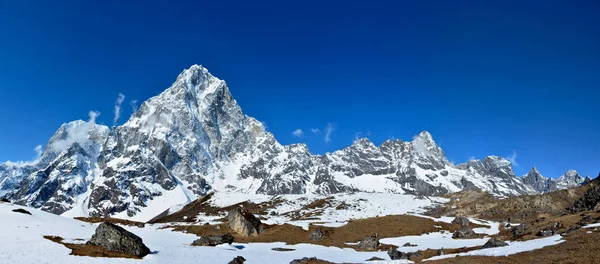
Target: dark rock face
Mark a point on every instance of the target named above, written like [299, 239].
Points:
[369, 243]
[213, 240]
[304, 260]
[317, 234]
[463, 232]
[21, 210]
[114, 238]
[395, 254]
[493, 242]
[243, 222]
[238, 260]
[461, 221]
[588, 201]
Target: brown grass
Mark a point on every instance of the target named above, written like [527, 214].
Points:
[110, 220]
[89, 250]
[354, 231]
[579, 247]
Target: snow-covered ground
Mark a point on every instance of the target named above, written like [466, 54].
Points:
[341, 207]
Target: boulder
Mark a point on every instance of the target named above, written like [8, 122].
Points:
[317, 234]
[213, 240]
[519, 230]
[114, 238]
[22, 211]
[463, 232]
[461, 221]
[4, 200]
[395, 254]
[369, 243]
[243, 222]
[493, 242]
[545, 233]
[238, 260]
[408, 244]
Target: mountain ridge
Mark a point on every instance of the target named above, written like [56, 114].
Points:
[194, 137]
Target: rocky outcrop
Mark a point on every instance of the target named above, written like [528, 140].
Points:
[519, 230]
[243, 222]
[463, 232]
[114, 238]
[369, 243]
[493, 242]
[588, 201]
[395, 254]
[213, 240]
[461, 221]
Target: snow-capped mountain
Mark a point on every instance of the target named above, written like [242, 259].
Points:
[543, 185]
[194, 137]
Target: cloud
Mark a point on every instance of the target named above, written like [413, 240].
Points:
[513, 159]
[471, 158]
[315, 130]
[298, 132]
[39, 150]
[118, 103]
[328, 130]
[75, 134]
[134, 106]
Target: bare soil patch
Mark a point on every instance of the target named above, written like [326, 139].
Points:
[89, 250]
[110, 220]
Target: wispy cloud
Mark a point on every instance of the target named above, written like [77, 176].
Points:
[328, 130]
[75, 134]
[118, 103]
[315, 130]
[298, 132]
[39, 150]
[513, 159]
[134, 106]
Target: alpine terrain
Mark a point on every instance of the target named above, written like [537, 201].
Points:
[193, 138]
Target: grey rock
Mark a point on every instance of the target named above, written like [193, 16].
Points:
[545, 233]
[463, 232]
[213, 240]
[22, 211]
[114, 238]
[243, 222]
[408, 244]
[461, 221]
[317, 234]
[283, 249]
[519, 230]
[395, 254]
[369, 243]
[440, 252]
[493, 242]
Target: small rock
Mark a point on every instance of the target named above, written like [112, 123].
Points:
[369, 243]
[243, 222]
[395, 254]
[304, 260]
[217, 228]
[21, 210]
[440, 252]
[545, 233]
[408, 244]
[317, 234]
[140, 225]
[519, 231]
[461, 221]
[283, 249]
[4, 200]
[463, 232]
[557, 226]
[493, 242]
[114, 238]
[213, 240]
[507, 225]
[374, 259]
[238, 260]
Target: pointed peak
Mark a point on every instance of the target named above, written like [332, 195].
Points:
[362, 142]
[424, 135]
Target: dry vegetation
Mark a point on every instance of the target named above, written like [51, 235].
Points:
[89, 250]
[110, 220]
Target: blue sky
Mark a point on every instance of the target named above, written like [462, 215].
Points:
[484, 77]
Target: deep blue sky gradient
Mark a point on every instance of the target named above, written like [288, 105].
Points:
[484, 77]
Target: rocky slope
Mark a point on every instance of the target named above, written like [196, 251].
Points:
[194, 137]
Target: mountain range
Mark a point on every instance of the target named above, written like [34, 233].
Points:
[194, 138]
